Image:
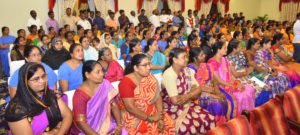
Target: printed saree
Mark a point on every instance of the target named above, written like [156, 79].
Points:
[244, 97]
[98, 110]
[146, 94]
[189, 118]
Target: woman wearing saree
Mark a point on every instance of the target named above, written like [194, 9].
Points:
[242, 92]
[143, 113]
[94, 103]
[158, 60]
[281, 57]
[211, 97]
[112, 69]
[258, 56]
[35, 109]
[180, 92]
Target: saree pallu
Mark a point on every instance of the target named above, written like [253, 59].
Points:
[145, 96]
[217, 104]
[98, 111]
[245, 98]
[189, 118]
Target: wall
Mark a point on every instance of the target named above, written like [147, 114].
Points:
[15, 13]
[18, 18]
[250, 8]
[271, 8]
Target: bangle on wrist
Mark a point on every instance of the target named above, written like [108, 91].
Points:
[151, 119]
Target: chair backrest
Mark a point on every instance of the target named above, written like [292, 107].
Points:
[70, 95]
[121, 62]
[115, 84]
[236, 126]
[291, 104]
[269, 119]
[14, 65]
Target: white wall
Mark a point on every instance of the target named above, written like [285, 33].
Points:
[15, 13]
[17, 18]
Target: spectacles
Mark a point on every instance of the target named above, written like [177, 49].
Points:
[145, 65]
[35, 55]
[36, 79]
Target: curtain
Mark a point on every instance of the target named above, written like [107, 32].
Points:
[104, 5]
[221, 8]
[64, 4]
[204, 6]
[149, 6]
[174, 5]
[91, 5]
[51, 4]
[289, 9]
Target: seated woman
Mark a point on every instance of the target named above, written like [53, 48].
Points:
[112, 69]
[172, 43]
[282, 56]
[56, 55]
[258, 56]
[139, 92]
[134, 48]
[35, 109]
[158, 60]
[241, 70]
[211, 97]
[17, 52]
[93, 103]
[32, 54]
[242, 91]
[90, 53]
[105, 41]
[44, 44]
[179, 92]
[70, 72]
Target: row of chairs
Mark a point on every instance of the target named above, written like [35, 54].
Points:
[279, 116]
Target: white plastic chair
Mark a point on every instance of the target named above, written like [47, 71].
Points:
[14, 65]
[116, 85]
[121, 62]
[70, 95]
[57, 83]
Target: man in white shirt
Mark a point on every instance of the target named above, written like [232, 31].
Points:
[33, 20]
[190, 22]
[133, 18]
[69, 19]
[154, 19]
[84, 22]
[296, 41]
[163, 17]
